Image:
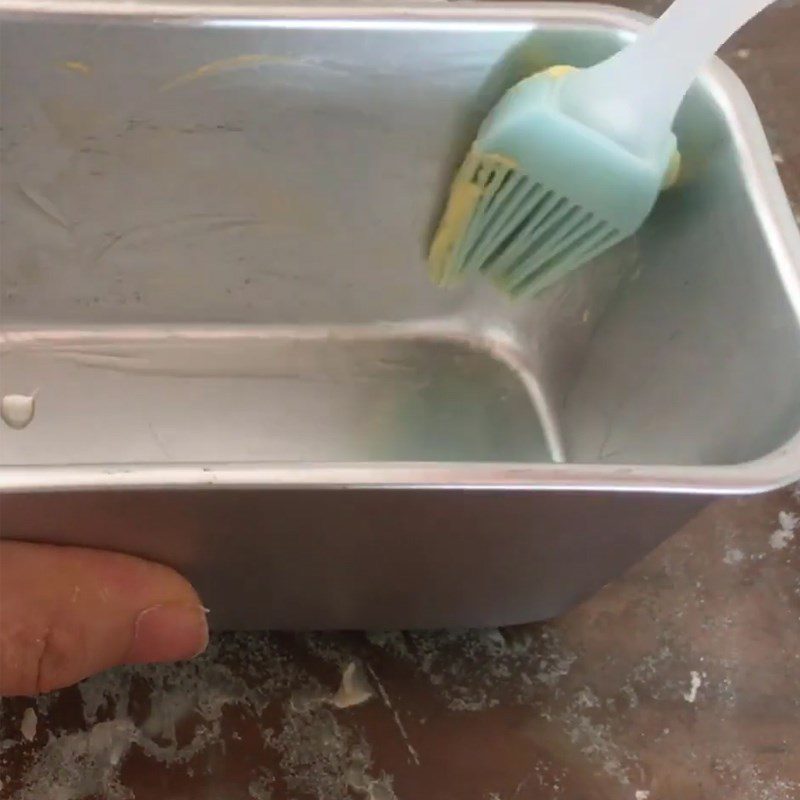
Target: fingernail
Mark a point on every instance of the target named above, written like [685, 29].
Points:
[170, 632]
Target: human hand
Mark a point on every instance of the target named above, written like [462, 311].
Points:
[67, 613]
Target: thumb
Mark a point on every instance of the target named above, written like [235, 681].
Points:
[67, 613]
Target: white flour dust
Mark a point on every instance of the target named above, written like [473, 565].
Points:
[81, 764]
[479, 670]
[733, 556]
[473, 669]
[753, 783]
[784, 534]
[696, 681]
[173, 714]
[259, 789]
[396, 716]
[306, 718]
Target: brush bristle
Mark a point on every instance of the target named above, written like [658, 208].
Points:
[522, 235]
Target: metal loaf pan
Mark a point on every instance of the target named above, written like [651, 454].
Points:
[214, 221]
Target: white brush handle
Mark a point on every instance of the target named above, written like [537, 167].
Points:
[634, 95]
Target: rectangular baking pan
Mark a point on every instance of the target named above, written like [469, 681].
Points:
[214, 222]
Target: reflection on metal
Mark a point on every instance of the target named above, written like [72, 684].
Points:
[224, 284]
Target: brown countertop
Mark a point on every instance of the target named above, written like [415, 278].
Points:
[679, 681]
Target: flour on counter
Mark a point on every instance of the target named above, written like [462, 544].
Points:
[259, 789]
[733, 556]
[694, 686]
[182, 719]
[396, 716]
[80, 764]
[785, 532]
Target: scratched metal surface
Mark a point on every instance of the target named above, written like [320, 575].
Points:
[680, 680]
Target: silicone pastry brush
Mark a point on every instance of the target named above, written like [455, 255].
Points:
[571, 161]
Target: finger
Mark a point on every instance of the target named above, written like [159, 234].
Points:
[67, 613]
